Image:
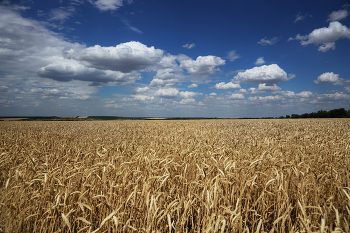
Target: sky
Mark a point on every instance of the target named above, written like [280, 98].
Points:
[163, 58]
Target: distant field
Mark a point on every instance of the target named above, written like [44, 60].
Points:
[288, 175]
[12, 119]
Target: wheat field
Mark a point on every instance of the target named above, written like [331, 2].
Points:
[287, 175]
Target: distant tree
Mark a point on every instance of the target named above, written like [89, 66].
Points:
[338, 113]
[287, 116]
[281, 117]
[334, 113]
[322, 114]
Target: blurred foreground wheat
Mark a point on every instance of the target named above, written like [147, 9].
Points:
[175, 176]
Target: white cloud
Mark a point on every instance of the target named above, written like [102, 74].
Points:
[188, 101]
[335, 96]
[112, 106]
[236, 96]
[329, 77]
[127, 23]
[105, 5]
[213, 94]
[168, 63]
[167, 93]
[66, 73]
[143, 98]
[141, 89]
[125, 57]
[338, 15]
[270, 75]
[299, 17]
[293, 95]
[326, 46]
[232, 55]
[61, 14]
[226, 86]
[165, 74]
[203, 65]
[189, 94]
[164, 77]
[263, 88]
[305, 94]
[193, 85]
[334, 32]
[298, 37]
[265, 98]
[259, 61]
[324, 36]
[189, 46]
[265, 41]
[163, 82]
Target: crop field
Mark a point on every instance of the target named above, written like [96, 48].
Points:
[269, 175]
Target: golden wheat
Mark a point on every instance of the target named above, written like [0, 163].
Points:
[175, 176]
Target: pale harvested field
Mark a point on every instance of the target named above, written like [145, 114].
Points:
[175, 176]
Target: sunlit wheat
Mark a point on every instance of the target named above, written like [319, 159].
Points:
[175, 176]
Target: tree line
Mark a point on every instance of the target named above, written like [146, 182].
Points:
[334, 113]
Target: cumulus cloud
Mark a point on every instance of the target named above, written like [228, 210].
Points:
[189, 46]
[193, 85]
[164, 77]
[293, 95]
[203, 65]
[143, 98]
[263, 88]
[226, 86]
[188, 101]
[125, 57]
[265, 98]
[236, 96]
[334, 32]
[189, 94]
[269, 75]
[105, 5]
[79, 72]
[213, 94]
[112, 106]
[329, 77]
[26, 44]
[168, 63]
[265, 41]
[326, 46]
[325, 36]
[232, 55]
[304, 94]
[167, 93]
[335, 96]
[163, 82]
[171, 93]
[165, 74]
[259, 61]
[338, 15]
[141, 89]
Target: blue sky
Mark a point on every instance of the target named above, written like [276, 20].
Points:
[207, 58]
